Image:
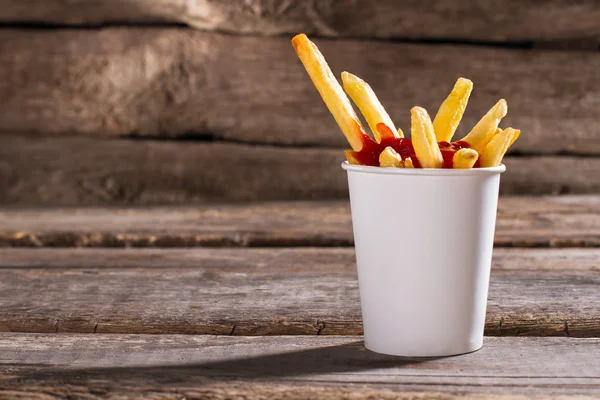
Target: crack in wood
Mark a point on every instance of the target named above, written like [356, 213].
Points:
[212, 137]
[320, 326]
[216, 138]
[241, 240]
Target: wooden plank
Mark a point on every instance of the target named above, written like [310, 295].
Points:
[474, 20]
[267, 292]
[217, 367]
[550, 175]
[174, 82]
[85, 171]
[38, 172]
[565, 221]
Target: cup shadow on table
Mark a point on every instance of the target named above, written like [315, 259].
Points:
[346, 358]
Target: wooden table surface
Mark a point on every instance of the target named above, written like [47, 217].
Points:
[261, 301]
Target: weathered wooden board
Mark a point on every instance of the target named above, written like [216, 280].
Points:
[267, 291]
[85, 171]
[473, 20]
[177, 82]
[171, 366]
[74, 171]
[550, 175]
[565, 221]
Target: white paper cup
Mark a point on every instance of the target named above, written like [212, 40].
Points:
[423, 240]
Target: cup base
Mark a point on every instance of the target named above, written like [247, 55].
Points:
[412, 353]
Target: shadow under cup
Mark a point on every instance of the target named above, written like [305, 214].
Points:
[423, 240]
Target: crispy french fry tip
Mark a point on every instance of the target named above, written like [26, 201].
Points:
[424, 140]
[452, 109]
[351, 158]
[485, 129]
[408, 163]
[497, 147]
[516, 135]
[367, 102]
[400, 133]
[330, 90]
[464, 158]
[389, 158]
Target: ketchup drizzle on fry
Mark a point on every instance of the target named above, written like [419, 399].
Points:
[369, 154]
[448, 150]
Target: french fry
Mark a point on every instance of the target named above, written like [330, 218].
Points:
[464, 158]
[497, 147]
[485, 129]
[424, 140]
[408, 163]
[516, 135]
[330, 90]
[367, 102]
[351, 158]
[452, 109]
[389, 158]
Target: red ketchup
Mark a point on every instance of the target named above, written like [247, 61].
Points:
[369, 154]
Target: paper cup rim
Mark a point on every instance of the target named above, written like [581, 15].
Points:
[423, 171]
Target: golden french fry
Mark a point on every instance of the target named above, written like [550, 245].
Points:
[464, 158]
[452, 109]
[350, 157]
[423, 139]
[389, 158]
[408, 163]
[367, 102]
[516, 135]
[497, 147]
[485, 129]
[332, 93]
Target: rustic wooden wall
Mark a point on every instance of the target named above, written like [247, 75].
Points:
[221, 109]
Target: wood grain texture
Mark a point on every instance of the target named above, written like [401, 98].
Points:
[472, 20]
[564, 221]
[176, 82]
[169, 367]
[550, 175]
[73, 171]
[268, 292]
[84, 171]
